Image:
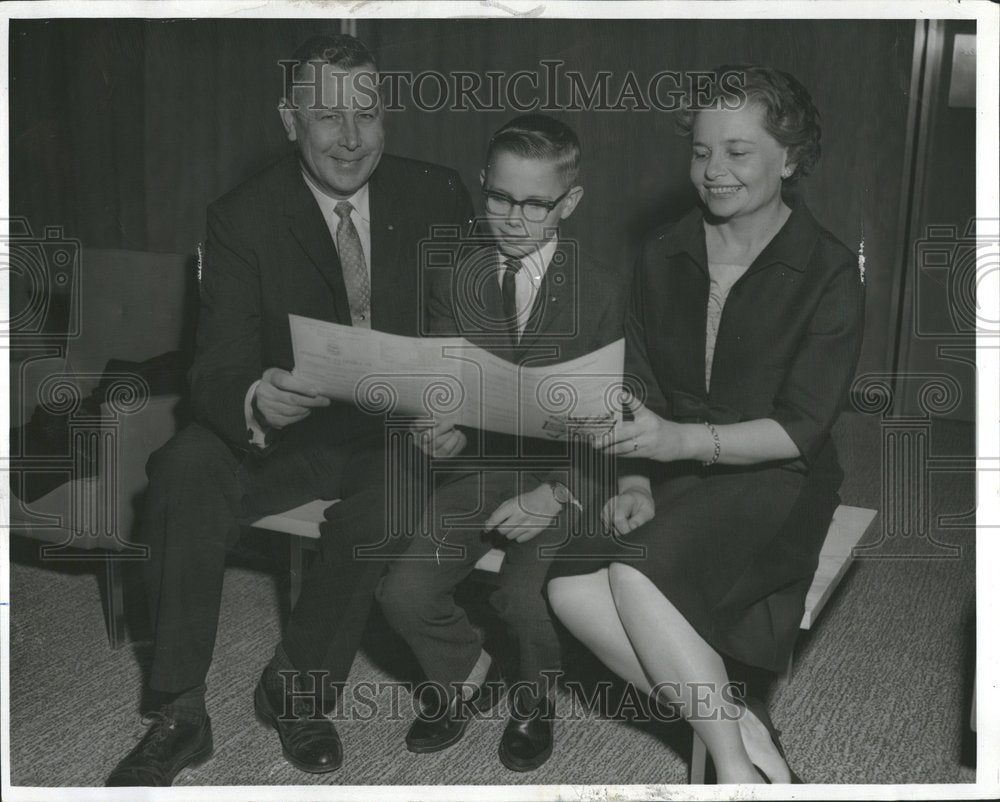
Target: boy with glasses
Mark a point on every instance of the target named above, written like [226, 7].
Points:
[530, 298]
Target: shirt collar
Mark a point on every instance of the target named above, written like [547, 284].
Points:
[536, 262]
[791, 246]
[359, 200]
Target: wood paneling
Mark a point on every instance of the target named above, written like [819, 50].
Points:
[635, 166]
[139, 124]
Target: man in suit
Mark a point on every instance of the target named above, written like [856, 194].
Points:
[332, 232]
[535, 299]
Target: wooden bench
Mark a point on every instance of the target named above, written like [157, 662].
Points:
[303, 522]
[846, 529]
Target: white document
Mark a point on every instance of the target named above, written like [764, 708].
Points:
[450, 378]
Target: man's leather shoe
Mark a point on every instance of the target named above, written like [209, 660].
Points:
[527, 740]
[309, 741]
[171, 743]
[434, 729]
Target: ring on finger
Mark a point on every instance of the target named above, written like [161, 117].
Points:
[635, 444]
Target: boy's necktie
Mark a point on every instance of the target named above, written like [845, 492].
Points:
[508, 291]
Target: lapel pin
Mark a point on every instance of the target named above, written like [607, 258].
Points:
[391, 228]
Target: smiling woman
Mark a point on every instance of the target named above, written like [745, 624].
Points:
[743, 336]
[741, 158]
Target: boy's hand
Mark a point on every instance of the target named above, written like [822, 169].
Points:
[629, 510]
[522, 517]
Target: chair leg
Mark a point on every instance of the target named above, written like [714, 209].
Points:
[698, 757]
[115, 602]
[295, 567]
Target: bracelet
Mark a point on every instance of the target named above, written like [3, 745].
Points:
[718, 446]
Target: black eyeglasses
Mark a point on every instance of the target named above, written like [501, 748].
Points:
[533, 209]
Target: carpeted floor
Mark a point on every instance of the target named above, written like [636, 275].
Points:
[881, 690]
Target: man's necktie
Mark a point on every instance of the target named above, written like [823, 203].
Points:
[508, 291]
[352, 261]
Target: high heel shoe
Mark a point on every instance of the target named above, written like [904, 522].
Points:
[756, 706]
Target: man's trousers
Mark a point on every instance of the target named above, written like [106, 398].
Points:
[200, 493]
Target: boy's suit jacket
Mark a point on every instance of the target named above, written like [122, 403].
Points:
[578, 309]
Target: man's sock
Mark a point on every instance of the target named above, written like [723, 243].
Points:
[280, 661]
[274, 678]
[326, 696]
[478, 674]
[189, 703]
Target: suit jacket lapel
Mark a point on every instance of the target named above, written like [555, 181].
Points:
[306, 223]
[483, 323]
[387, 206]
[492, 294]
[554, 300]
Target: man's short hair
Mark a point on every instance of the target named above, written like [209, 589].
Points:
[340, 50]
[538, 136]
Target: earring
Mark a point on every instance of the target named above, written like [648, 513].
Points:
[786, 172]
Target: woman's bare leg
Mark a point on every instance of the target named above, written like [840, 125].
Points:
[675, 655]
[586, 607]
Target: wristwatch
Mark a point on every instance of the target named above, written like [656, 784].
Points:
[561, 494]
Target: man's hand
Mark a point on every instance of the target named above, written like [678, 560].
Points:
[629, 510]
[440, 440]
[524, 516]
[283, 399]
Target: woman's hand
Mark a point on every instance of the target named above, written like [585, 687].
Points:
[522, 517]
[648, 436]
[630, 509]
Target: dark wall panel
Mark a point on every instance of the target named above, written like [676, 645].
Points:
[635, 167]
[122, 131]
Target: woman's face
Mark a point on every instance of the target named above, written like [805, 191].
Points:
[736, 165]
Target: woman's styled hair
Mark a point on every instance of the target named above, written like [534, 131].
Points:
[538, 136]
[789, 114]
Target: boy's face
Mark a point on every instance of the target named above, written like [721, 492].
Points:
[521, 179]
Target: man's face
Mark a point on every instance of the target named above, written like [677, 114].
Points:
[340, 138]
[521, 179]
